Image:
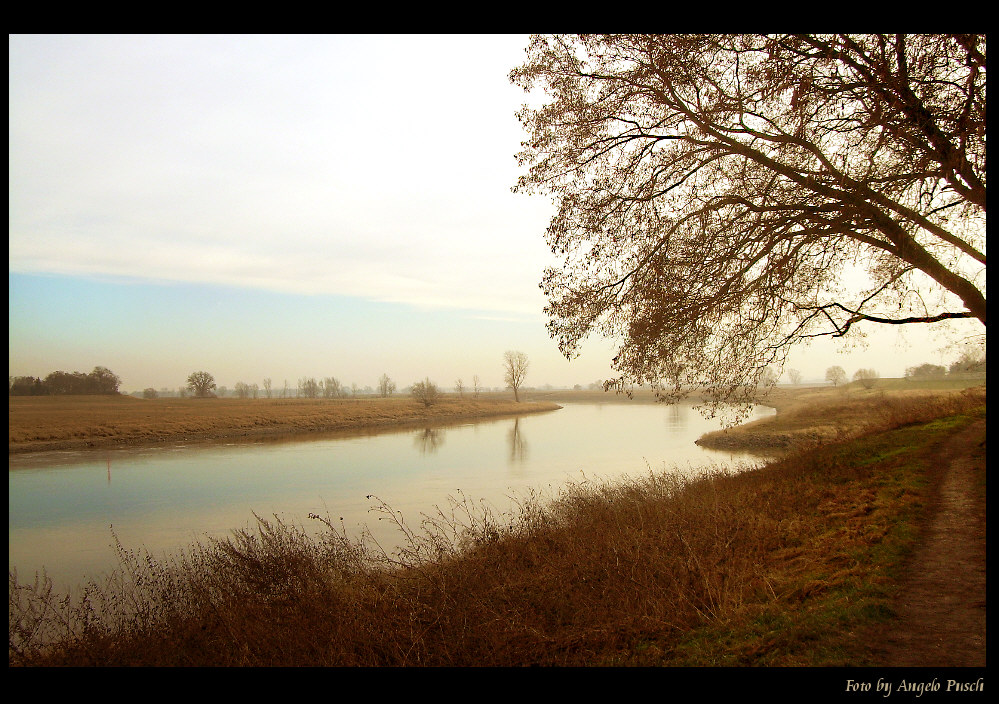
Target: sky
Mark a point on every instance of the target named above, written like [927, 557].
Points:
[292, 206]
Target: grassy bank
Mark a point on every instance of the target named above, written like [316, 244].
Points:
[78, 422]
[807, 417]
[786, 565]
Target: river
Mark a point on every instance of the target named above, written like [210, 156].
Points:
[66, 508]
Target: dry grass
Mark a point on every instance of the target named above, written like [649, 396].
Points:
[811, 417]
[73, 422]
[776, 566]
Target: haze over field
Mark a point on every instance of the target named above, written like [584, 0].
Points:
[279, 207]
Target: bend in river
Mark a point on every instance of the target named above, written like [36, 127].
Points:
[66, 508]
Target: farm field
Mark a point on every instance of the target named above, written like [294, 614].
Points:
[40, 423]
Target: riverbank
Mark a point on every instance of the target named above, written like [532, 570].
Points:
[44, 423]
[810, 417]
[805, 561]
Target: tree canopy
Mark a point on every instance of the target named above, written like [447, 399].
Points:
[721, 198]
[836, 375]
[201, 383]
[100, 381]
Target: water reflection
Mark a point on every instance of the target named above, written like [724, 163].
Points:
[675, 416]
[518, 444]
[61, 504]
[429, 440]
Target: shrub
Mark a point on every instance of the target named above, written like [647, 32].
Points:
[426, 392]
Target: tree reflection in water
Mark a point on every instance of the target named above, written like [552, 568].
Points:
[429, 440]
[675, 417]
[518, 445]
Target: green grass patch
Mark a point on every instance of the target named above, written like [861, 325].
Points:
[872, 493]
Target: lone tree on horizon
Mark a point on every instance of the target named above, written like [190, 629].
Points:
[836, 375]
[201, 384]
[721, 198]
[514, 370]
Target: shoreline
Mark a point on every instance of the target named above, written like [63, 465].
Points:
[808, 418]
[89, 423]
[805, 417]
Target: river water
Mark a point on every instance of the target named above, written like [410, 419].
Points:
[66, 508]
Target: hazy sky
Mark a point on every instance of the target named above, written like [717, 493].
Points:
[282, 207]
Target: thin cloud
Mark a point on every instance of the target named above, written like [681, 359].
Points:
[362, 166]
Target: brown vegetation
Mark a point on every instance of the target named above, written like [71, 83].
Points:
[813, 416]
[784, 565]
[71, 422]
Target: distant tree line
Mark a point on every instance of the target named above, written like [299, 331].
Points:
[970, 363]
[100, 381]
[936, 371]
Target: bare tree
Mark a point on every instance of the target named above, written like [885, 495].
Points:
[267, 387]
[713, 192]
[835, 375]
[386, 387]
[426, 392]
[201, 384]
[476, 387]
[767, 378]
[795, 376]
[514, 370]
[308, 387]
[866, 377]
[459, 387]
[334, 388]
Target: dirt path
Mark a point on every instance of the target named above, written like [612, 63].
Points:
[942, 605]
